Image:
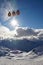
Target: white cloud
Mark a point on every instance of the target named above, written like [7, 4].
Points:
[6, 6]
[21, 33]
[25, 31]
[28, 33]
[6, 33]
[3, 31]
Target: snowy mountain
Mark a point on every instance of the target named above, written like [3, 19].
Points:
[23, 45]
[33, 57]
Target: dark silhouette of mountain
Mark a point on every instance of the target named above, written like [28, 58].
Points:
[23, 45]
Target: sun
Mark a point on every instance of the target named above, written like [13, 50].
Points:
[14, 23]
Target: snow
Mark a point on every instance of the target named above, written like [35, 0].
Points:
[25, 61]
[24, 58]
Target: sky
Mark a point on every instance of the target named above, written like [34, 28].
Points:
[31, 13]
[28, 24]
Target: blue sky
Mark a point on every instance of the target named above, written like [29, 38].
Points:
[31, 13]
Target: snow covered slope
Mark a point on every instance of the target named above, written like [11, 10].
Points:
[17, 57]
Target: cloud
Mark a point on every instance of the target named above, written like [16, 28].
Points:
[5, 7]
[29, 33]
[25, 31]
[21, 33]
[40, 35]
[3, 31]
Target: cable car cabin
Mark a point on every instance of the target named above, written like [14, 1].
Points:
[9, 14]
[13, 13]
[18, 12]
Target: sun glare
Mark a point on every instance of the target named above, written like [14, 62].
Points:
[14, 23]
